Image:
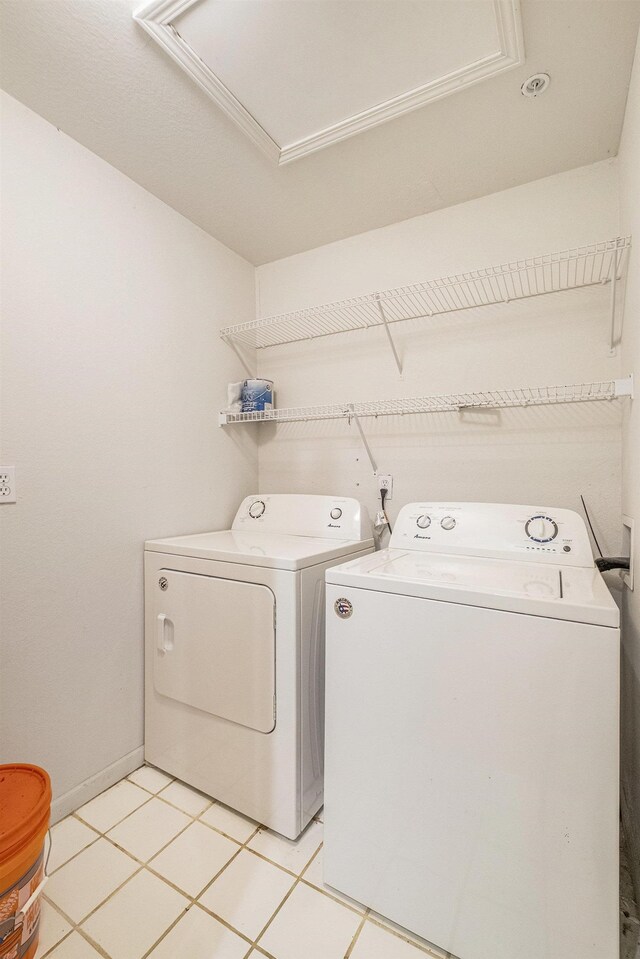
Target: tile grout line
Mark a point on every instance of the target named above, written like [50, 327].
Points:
[272, 862]
[85, 822]
[399, 935]
[75, 926]
[355, 938]
[221, 919]
[360, 909]
[98, 835]
[151, 795]
[252, 942]
[194, 900]
[55, 946]
[286, 898]
[102, 835]
[145, 865]
[273, 916]
[98, 948]
[128, 779]
[366, 914]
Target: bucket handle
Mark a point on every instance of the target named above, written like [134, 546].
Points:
[21, 914]
[24, 909]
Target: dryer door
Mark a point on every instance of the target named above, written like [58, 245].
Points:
[215, 646]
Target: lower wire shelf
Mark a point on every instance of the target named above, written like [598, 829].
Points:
[442, 403]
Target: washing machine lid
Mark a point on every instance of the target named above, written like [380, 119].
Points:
[273, 550]
[558, 592]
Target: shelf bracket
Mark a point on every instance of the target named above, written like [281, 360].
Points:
[624, 387]
[230, 342]
[356, 419]
[612, 293]
[388, 332]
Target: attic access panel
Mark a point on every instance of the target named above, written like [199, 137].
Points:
[297, 77]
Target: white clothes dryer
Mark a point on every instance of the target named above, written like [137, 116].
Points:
[234, 638]
[471, 789]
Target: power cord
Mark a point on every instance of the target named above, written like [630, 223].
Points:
[383, 496]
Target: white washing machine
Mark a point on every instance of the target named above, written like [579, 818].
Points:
[471, 777]
[234, 636]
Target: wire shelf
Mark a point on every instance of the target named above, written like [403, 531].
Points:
[442, 403]
[552, 273]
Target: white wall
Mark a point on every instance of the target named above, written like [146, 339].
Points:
[629, 164]
[536, 456]
[113, 373]
[111, 381]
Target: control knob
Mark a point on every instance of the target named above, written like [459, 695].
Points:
[448, 522]
[424, 521]
[256, 509]
[541, 529]
[335, 513]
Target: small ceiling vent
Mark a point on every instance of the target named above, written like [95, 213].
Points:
[535, 85]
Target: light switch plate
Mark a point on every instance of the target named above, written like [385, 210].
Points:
[8, 484]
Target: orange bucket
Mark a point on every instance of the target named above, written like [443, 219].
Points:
[25, 806]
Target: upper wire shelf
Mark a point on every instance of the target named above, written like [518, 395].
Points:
[583, 266]
[441, 403]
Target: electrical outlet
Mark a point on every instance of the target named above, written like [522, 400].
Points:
[385, 481]
[7, 484]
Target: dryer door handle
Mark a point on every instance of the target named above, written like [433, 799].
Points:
[164, 633]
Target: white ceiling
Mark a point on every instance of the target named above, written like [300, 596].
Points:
[89, 68]
[288, 76]
[294, 67]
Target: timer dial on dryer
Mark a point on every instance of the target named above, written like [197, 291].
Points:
[424, 521]
[541, 529]
[256, 509]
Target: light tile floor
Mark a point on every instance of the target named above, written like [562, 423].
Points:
[152, 868]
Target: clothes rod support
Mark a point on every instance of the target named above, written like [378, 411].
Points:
[614, 280]
[374, 465]
[388, 332]
[230, 342]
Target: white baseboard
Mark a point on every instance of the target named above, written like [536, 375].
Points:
[76, 797]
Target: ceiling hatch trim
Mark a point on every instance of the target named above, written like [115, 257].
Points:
[158, 16]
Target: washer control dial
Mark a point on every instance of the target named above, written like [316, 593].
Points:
[256, 509]
[541, 529]
[448, 522]
[335, 513]
[424, 521]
